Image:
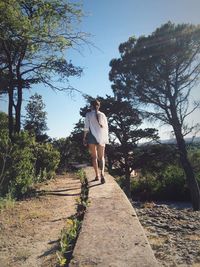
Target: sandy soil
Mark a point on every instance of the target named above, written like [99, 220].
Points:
[30, 231]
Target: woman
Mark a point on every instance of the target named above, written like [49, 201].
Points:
[96, 136]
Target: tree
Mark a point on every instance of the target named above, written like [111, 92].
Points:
[34, 36]
[159, 72]
[71, 148]
[63, 145]
[35, 120]
[78, 151]
[124, 122]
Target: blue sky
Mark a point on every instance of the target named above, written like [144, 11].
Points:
[110, 22]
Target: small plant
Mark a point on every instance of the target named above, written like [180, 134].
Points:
[67, 241]
[61, 259]
[81, 174]
[69, 233]
[7, 202]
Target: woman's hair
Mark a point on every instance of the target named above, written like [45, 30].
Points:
[96, 104]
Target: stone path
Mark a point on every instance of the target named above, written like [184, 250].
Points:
[30, 231]
[173, 231]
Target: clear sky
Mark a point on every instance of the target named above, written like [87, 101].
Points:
[110, 22]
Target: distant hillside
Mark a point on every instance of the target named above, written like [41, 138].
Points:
[187, 140]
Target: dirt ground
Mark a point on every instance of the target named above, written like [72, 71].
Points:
[30, 231]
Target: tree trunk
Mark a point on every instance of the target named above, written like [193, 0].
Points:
[10, 112]
[10, 100]
[18, 108]
[187, 167]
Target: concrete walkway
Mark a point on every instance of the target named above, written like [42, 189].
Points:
[111, 234]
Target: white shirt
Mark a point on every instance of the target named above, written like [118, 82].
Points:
[91, 123]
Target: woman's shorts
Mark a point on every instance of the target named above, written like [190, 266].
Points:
[91, 139]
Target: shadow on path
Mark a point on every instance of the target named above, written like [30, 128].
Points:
[52, 250]
[57, 192]
[52, 193]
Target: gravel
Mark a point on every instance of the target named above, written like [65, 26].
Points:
[173, 231]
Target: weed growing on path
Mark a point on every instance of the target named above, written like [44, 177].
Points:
[69, 233]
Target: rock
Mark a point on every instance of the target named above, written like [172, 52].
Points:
[176, 229]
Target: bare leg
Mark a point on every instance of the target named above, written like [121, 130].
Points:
[101, 157]
[93, 153]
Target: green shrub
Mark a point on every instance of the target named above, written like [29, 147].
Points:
[47, 160]
[174, 184]
[23, 162]
[168, 184]
[5, 151]
[19, 168]
[145, 187]
[194, 156]
[7, 202]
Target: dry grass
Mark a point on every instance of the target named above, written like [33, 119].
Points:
[22, 254]
[193, 237]
[148, 205]
[156, 242]
[6, 203]
[28, 226]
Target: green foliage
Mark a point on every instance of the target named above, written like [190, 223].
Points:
[35, 120]
[5, 147]
[68, 236]
[7, 202]
[34, 36]
[23, 161]
[159, 174]
[19, 170]
[194, 156]
[69, 151]
[47, 160]
[154, 158]
[167, 184]
[81, 174]
[158, 72]
[3, 121]
[145, 188]
[159, 69]
[63, 146]
[78, 151]
[72, 149]
[39, 24]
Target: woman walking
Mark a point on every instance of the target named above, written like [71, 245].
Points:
[96, 136]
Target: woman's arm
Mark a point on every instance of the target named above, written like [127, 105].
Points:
[86, 129]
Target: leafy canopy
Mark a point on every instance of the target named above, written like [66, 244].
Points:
[160, 70]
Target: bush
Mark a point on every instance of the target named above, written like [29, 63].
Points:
[47, 160]
[64, 146]
[18, 173]
[5, 151]
[71, 150]
[23, 162]
[194, 156]
[169, 185]
[174, 185]
[145, 187]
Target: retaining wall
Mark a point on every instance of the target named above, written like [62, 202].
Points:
[111, 234]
